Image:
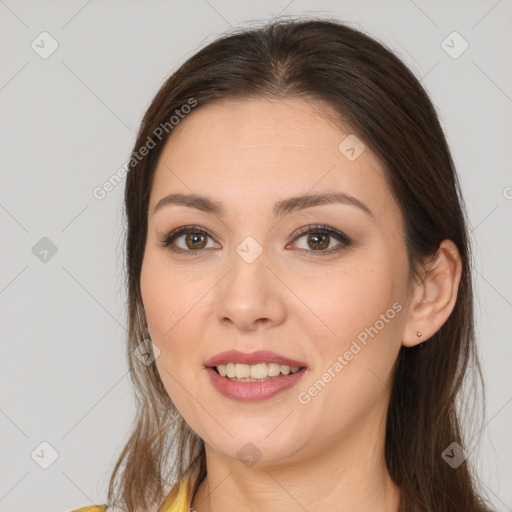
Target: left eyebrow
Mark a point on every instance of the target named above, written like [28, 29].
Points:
[286, 206]
[281, 208]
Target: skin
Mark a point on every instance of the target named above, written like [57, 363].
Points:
[327, 454]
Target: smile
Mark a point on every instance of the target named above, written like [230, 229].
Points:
[254, 372]
[249, 389]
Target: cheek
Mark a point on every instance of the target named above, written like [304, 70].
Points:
[342, 304]
[168, 297]
[355, 330]
[176, 309]
[352, 371]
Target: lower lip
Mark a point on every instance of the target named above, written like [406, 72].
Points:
[253, 391]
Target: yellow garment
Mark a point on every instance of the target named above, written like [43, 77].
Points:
[91, 508]
[180, 504]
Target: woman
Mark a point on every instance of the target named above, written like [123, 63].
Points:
[300, 297]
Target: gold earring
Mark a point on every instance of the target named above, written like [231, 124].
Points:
[419, 334]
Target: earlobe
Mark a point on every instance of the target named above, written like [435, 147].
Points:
[434, 295]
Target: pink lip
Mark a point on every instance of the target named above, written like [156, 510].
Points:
[260, 356]
[253, 391]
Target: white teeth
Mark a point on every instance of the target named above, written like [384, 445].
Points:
[273, 369]
[258, 371]
[254, 372]
[242, 371]
[285, 369]
[231, 370]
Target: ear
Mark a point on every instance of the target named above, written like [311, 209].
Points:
[434, 296]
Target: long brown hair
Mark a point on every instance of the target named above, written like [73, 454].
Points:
[368, 88]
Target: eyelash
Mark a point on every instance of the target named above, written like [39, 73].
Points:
[317, 229]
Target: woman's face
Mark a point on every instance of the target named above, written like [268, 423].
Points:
[337, 304]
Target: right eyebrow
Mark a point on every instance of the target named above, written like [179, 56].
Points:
[202, 203]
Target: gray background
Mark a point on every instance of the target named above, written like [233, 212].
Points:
[68, 123]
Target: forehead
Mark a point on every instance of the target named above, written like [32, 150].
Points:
[248, 130]
[260, 148]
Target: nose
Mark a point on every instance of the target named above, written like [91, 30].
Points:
[251, 296]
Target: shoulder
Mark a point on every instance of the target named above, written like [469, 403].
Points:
[177, 500]
[91, 508]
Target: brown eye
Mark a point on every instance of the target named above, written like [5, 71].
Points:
[318, 241]
[186, 239]
[195, 241]
[319, 238]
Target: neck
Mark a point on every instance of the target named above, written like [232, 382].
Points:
[347, 476]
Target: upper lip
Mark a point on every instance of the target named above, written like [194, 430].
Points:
[260, 356]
